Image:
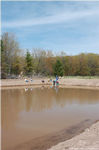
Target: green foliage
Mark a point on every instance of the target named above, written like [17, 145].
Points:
[58, 68]
[16, 66]
[29, 64]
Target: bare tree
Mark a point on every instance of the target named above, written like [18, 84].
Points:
[10, 49]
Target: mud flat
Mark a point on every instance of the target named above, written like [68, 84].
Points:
[88, 140]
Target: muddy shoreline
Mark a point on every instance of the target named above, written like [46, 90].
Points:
[89, 139]
[46, 142]
[63, 82]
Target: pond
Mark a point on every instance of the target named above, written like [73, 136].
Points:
[29, 113]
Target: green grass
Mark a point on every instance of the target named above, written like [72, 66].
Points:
[83, 77]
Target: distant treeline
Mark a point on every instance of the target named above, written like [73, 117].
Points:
[43, 62]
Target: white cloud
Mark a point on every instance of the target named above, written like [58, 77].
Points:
[51, 19]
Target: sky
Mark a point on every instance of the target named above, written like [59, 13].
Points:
[72, 27]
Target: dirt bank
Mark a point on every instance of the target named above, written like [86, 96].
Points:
[88, 140]
[63, 82]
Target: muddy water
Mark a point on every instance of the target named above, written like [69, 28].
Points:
[31, 113]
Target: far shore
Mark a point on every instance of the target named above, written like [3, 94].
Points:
[63, 82]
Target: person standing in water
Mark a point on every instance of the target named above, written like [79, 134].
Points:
[57, 83]
[57, 78]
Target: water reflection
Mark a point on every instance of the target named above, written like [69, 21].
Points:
[32, 112]
[45, 98]
[26, 89]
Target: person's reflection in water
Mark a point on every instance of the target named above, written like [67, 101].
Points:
[51, 86]
[31, 89]
[56, 88]
[26, 89]
[42, 87]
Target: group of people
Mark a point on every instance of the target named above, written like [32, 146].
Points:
[55, 82]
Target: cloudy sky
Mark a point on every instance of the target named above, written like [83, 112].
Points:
[72, 27]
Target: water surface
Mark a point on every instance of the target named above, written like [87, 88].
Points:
[34, 112]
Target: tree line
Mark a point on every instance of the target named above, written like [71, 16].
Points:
[15, 62]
